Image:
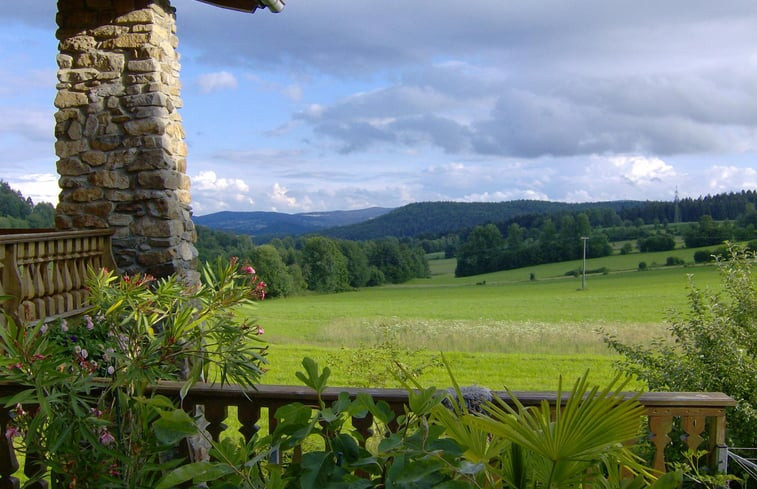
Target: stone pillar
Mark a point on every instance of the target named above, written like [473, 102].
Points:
[119, 138]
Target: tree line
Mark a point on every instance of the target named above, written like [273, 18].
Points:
[544, 240]
[316, 263]
[19, 212]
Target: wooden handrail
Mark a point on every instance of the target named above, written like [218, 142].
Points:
[44, 271]
[694, 412]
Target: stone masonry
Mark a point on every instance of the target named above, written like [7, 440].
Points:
[119, 137]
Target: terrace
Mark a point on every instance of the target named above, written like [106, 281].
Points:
[125, 205]
[45, 271]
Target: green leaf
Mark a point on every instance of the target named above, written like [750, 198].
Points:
[173, 426]
[197, 472]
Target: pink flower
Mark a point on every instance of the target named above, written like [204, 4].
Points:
[111, 370]
[106, 438]
[90, 324]
[250, 270]
[261, 330]
[63, 325]
[12, 432]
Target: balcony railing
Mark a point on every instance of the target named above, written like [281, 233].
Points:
[700, 416]
[45, 270]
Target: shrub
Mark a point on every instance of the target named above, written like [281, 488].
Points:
[642, 266]
[714, 346]
[98, 432]
[674, 260]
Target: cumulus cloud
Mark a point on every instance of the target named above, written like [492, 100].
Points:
[215, 82]
[640, 170]
[208, 181]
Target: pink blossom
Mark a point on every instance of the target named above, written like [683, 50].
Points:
[261, 330]
[90, 324]
[106, 438]
[111, 370]
[250, 270]
[12, 432]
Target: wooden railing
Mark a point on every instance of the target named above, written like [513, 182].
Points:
[699, 415]
[44, 270]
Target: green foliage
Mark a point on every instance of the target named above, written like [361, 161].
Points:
[19, 212]
[109, 432]
[657, 242]
[674, 260]
[643, 266]
[376, 365]
[324, 266]
[433, 445]
[714, 346]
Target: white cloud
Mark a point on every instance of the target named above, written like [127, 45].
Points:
[40, 187]
[209, 181]
[279, 197]
[725, 178]
[641, 170]
[214, 82]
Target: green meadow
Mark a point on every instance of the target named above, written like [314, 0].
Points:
[499, 330]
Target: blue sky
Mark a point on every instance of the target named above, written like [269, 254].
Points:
[346, 104]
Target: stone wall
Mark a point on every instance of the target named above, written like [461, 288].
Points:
[119, 138]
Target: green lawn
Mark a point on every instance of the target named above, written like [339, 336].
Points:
[507, 330]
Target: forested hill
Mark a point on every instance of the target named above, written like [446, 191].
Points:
[280, 224]
[438, 218]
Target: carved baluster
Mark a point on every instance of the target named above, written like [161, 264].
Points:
[37, 259]
[8, 462]
[248, 414]
[67, 274]
[659, 427]
[718, 449]
[76, 272]
[27, 310]
[57, 272]
[272, 423]
[46, 269]
[693, 426]
[364, 426]
[216, 413]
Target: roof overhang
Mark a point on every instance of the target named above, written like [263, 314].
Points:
[248, 5]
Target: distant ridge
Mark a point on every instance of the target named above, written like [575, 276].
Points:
[259, 223]
[412, 220]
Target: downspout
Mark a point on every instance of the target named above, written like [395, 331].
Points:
[274, 6]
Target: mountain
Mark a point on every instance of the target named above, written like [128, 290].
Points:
[281, 224]
[412, 220]
[436, 218]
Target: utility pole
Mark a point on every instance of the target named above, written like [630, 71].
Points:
[583, 277]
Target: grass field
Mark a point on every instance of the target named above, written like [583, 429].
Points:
[496, 329]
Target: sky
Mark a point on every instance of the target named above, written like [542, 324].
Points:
[348, 104]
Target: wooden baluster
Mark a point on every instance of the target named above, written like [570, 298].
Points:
[27, 310]
[717, 446]
[65, 274]
[216, 413]
[693, 426]
[36, 255]
[185, 448]
[58, 285]
[8, 462]
[248, 414]
[364, 426]
[46, 269]
[272, 423]
[660, 426]
[76, 273]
